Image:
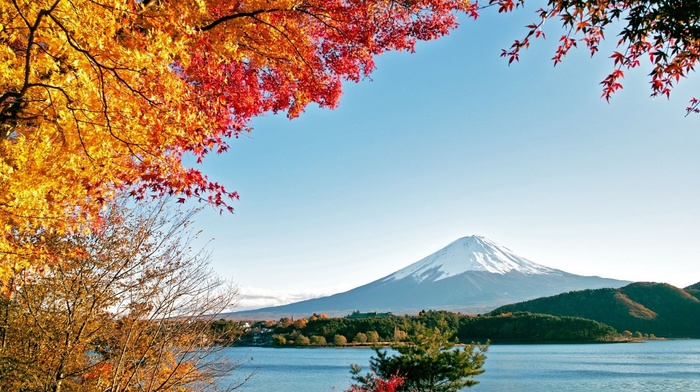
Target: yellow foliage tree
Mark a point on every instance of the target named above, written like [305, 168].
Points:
[128, 308]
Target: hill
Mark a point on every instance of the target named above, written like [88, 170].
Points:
[653, 308]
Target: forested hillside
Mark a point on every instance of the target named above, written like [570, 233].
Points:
[651, 308]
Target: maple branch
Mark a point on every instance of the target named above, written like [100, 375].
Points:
[259, 52]
[323, 22]
[254, 16]
[75, 118]
[59, 128]
[100, 69]
[289, 40]
[10, 112]
[251, 14]
[50, 87]
[30, 38]
[93, 60]
[26, 216]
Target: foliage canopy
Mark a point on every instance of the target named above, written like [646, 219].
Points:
[102, 96]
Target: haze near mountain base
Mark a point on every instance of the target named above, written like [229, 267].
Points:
[472, 275]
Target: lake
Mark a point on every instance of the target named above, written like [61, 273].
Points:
[672, 365]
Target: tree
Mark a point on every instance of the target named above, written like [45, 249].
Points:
[279, 340]
[126, 308]
[666, 32]
[340, 340]
[360, 337]
[300, 323]
[102, 96]
[399, 335]
[301, 340]
[372, 336]
[429, 362]
[321, 316]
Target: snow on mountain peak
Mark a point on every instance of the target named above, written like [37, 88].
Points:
[473, 253]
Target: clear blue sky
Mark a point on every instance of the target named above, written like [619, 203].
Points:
[451, 141]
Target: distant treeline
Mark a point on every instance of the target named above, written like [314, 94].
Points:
[534, 327]
[522, 327]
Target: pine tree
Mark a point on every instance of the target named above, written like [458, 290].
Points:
[428, 361]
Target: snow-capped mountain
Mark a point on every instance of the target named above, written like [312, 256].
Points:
[472, 253]
[472, 274]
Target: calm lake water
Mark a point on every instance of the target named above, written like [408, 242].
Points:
[650, 366]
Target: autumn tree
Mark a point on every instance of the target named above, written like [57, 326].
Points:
[665, 33]
[127, 308]
[279, 340]
[372, 337]
[102, 96]
[360, 338]
[301, 340]
[340, 340]
[300, 323]
[428, 362]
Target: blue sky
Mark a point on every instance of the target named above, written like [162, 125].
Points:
[451, 141]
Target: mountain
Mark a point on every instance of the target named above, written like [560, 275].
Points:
[653, 308]
[472, 274]
[473, 253]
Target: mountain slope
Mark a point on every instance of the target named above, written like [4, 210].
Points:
[654, 308]
[472, 274]
[694, 290]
